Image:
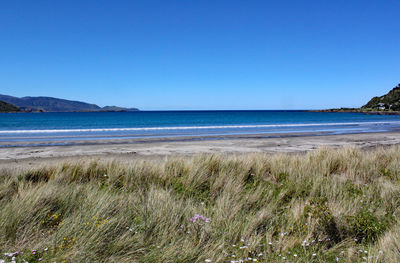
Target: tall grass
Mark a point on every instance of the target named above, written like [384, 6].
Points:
[323, 206]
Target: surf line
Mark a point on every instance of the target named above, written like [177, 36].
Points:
[199, 127]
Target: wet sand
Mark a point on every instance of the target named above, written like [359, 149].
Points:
[129, 150]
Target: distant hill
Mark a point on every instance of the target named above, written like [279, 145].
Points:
[390, 101]
[7, 107]
[49, 104]
[116, 108]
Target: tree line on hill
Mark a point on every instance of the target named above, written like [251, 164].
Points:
[389, 101]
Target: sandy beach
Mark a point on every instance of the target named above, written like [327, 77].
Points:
[150, 149]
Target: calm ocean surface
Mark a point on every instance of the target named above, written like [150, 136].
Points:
[57, 127]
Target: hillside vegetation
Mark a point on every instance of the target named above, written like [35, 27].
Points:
[389, 101]
[324, 206]
[7, 107]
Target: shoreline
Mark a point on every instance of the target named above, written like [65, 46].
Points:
[129, 151]
[366, 112]
[122, 139]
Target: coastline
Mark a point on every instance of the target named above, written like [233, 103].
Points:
[367, 112]
[128, 150]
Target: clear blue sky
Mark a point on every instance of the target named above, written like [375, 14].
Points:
[201, 54]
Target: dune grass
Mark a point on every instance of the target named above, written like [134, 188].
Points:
[323, 206]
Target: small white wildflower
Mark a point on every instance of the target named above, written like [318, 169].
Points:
[254, 260]
[233, 256]
[294, 255]
[260, 254]
[207, 260]
[314, 254]
[305, 243]
[365, 251]
[380, 252]
[269, 243]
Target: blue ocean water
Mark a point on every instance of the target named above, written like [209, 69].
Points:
[87, 126]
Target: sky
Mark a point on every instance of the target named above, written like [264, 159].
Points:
[201, 54]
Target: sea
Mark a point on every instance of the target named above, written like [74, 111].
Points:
[41, 129]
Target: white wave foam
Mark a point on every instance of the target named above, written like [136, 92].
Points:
[199, 127]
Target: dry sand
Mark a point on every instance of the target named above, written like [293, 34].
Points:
[129, 150]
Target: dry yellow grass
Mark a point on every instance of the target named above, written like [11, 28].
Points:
[323, 206]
